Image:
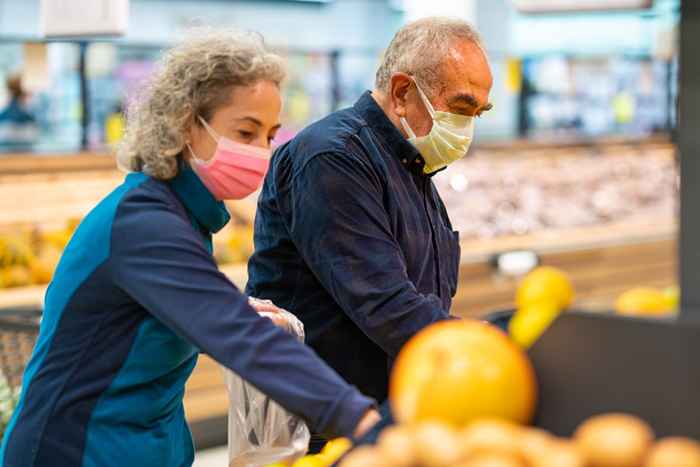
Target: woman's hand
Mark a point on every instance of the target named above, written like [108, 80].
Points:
[269, 310]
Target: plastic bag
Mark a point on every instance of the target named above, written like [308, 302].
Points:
[260, 431]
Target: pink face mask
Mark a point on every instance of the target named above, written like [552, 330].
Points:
[235, 171]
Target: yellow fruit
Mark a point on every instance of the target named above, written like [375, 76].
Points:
[493, 459]
[531, 321]
[644, 301]
[277, 464]
[240, 243]
[15, 276]
[533, 443]
[42, 267]
[15, 251]
[58, 238]
[364, 456]
[461, 371]
[324, 460]
[72, 224]
[674, 452]
[397, 446]
[490, 435]
[673, 296]
[334, 449]
[310, 461]
[40, 272]
[436, 445]
[545, 284]
[614, 440]
[558, 454]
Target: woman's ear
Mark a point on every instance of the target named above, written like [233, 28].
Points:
[193, 131]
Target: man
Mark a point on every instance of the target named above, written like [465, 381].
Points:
[351, 234]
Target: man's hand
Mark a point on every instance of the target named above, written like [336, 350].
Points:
[269, 310]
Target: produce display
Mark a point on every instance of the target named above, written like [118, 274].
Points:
[489, 195]
[29, 254]
[647, 301]
[463, 393]
[540, 297]
[234, 244]
[460, 372]
[545, 292]
[608, 440]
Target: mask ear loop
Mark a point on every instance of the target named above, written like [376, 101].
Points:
[214, 136]
[210, 130]
[407, 128]
[194, 156]
[425, 100]
[428, 106]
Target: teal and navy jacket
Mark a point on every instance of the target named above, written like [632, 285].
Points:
[135, 298]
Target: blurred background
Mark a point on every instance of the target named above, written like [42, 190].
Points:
[558, 75]
[574, 167]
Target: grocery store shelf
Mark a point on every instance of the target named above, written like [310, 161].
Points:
[33, 163]
[34, 295]
[552, 141]
[599, 275]
[573, 239]
[23, 297]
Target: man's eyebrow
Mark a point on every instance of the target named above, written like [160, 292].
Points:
[463, 98]
[468, 99]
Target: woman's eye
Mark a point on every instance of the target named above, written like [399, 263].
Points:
[245, 134]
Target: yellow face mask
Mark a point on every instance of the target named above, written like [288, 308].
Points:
[448, 140]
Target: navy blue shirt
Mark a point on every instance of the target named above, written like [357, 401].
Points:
[353, 238]
[135, 298]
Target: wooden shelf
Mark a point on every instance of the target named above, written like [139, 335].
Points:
[51, 163]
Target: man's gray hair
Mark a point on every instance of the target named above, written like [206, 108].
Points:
[420, 48]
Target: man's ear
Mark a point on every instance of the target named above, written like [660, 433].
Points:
[398, 92]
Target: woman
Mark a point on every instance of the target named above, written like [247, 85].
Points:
[137, 294]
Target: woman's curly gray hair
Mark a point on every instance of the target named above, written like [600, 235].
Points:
[194, 78]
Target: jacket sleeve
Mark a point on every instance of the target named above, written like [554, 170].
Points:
[334, 212]
[158, 259]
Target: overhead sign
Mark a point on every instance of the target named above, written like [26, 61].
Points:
[81, 18]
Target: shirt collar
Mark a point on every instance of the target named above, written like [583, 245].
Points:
[211, 214]
[395, 141]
